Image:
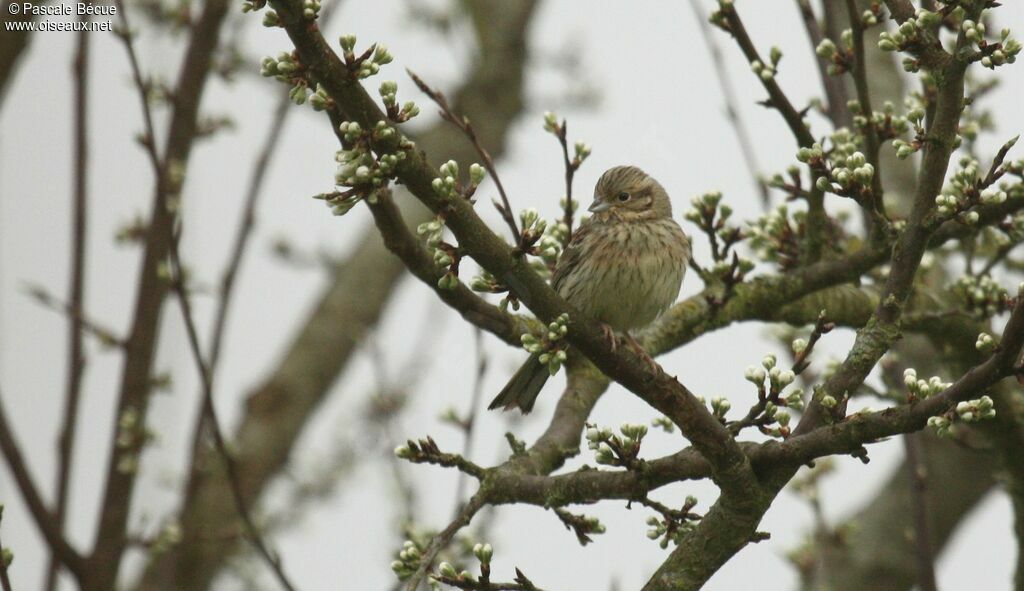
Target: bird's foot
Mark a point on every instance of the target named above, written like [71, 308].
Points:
[633, 344]
[609, 335]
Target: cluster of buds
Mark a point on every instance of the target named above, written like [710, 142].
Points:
[366, 64]
[541, 239]
[993, 55]
[887, 123]
[359, 173]
[769, 369]
[270, 19]
[986, 343]
[253, 5]
[766, 72]
[616, 450]
[426, 451]
[776, 236]
[850, 176]
[533, 226]
[712, 216]
[968, 411]
[839, 57]
[448, 186]
[581, 150]
[918, 388]
[310, 9]
[447, 573]
[664, 423]
[968, 188]
[551, 124]
[485, 282]
[912, 120]
[550, 347]
[982, 296]
[907, 33]
[287, 68]
[408, 561]
[720, 405]
[673, 525]
[320, 100]
[771, 382]
[446, 256]
[389, 94]
[549, 247]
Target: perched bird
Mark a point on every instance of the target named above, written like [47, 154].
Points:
[623, 268]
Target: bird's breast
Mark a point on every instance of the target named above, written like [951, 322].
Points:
[629, 273]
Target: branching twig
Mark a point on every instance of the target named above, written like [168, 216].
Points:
[463, 124]
[42, 517]
[835, 90]
[180, 289]
[860, 80]
[442, 539]
[210, 413]
[732, 111]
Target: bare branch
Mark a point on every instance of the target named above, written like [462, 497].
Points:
[467, 129]
[42, 517]
[76, 356]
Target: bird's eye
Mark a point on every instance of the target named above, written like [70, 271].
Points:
[623, 196]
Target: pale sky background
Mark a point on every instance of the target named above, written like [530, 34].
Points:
[659, 107]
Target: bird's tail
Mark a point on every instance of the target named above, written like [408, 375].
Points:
[521, 391]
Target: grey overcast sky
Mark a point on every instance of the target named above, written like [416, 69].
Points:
[659, 107]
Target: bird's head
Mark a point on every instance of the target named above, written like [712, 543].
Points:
[628, 192]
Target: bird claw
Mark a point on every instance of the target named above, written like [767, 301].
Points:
[651, 363]
[609, 335]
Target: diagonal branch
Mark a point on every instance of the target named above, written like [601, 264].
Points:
[44, 520]
[135, 388]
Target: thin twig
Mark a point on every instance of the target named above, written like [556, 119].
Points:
[835, 90]
[44, 520]
[441, 540]
[105, 335]
[76, 330]
[571, 166]
[924, 557]
[244, 234]
[177, 283]
[210, 411]
[732, 111]
[470, 421]
[467, 129]
[860, 80]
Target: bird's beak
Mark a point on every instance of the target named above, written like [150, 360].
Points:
[598, 206]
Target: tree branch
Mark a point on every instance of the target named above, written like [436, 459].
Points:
[42, 517]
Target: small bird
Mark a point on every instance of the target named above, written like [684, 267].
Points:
[623, 267]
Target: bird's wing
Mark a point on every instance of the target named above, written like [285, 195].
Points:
[570, 258]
